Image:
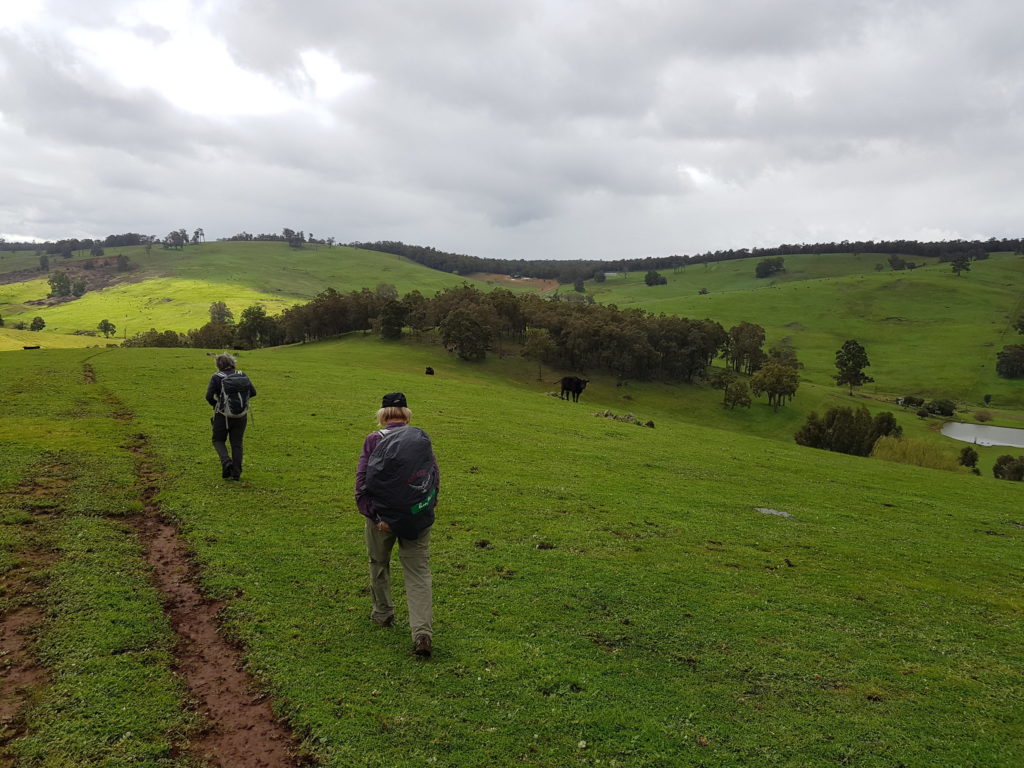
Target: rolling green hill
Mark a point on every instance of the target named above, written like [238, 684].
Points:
[926, 331]
[173, 290]
[604, 593]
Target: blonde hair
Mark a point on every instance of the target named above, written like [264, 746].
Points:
[393, 413]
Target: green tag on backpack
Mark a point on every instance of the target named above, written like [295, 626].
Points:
[415, 509]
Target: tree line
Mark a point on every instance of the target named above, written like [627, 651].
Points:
[568, 272]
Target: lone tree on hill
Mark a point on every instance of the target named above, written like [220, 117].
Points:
[107, 328]
[37, 324]
[962, 263]
[655, 278]
[968, 457]
[768, 267]
[851, 360]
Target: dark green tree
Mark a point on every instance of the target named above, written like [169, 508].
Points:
[79, 287]
[60, 284]
[213, 335]
[851, 360]
[737, 395]
[44, 263]
[578, 286]
[1010, 361]
[655, 278]
[540, 348]
[257, 329]
[221, 313]
[37, 324]
[768, 267]
[392, 319]
[96, 251]
[778, 381]
[968, 457]
[464, 335]
[107, 328]
[721, 378]
[123, 263]
[961, 263]
[1009, 468]
[600, 277]
[743, 347]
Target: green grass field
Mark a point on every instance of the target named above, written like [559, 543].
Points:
[927, 332]
[174, 289]
[630, 606]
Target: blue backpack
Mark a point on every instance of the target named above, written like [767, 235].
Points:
[401, 481]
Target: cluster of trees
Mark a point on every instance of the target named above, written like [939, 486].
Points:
[627, 343]
[770, 266]
[1010, 359]
[61, 284]
[567, 272]
[294, 238]
[847, 430]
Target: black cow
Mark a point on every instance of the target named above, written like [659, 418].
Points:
[572, 385]
[429, 371]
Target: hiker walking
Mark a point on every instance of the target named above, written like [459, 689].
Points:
[397, 482]
[229, 392]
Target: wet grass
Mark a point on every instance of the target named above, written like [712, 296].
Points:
[603, 591]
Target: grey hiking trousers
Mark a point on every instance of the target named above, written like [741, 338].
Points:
[414, 555]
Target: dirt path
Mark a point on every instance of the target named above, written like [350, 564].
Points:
[23, 676]
[242, 729]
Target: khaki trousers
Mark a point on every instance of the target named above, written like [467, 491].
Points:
[415, 558]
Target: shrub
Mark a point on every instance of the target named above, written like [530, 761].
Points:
[1009, 468]
[983, 415]
[941, 407]
[912, 401]
[923, 413]
[919, 453]
[847, 430]
[968, 457]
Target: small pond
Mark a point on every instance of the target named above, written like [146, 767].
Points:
[982, 435]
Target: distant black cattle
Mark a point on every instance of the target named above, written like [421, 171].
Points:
[429, 371]
[572, 385]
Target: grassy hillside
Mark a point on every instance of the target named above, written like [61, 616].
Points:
[605, 593]
[926, 331]
[174, 289]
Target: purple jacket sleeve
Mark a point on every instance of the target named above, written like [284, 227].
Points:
[363, 502]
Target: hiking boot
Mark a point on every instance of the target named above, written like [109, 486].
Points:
[227, 469]
[388, 622]
[423, 646]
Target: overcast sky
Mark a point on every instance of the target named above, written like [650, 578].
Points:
[520, 128]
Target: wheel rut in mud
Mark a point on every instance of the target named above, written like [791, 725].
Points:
[23, 677]
[242, 730]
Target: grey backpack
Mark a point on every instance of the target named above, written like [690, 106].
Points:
[402, 482]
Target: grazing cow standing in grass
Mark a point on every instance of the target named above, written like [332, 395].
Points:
[572, 385]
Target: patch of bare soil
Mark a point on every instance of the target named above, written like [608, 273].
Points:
[103, 274]
[22, 675]
[88, 373]
[243, 731]
[536, 284]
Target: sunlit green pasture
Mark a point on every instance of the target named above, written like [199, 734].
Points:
[603, 592]
[926, 331]
[172, 289]
[11, 338]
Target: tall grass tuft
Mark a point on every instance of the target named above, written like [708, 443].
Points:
[920, 453]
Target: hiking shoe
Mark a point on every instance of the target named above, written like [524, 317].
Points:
[388, 622]
[423, 646]
[227, 469]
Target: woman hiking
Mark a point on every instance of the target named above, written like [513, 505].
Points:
[397, 481]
